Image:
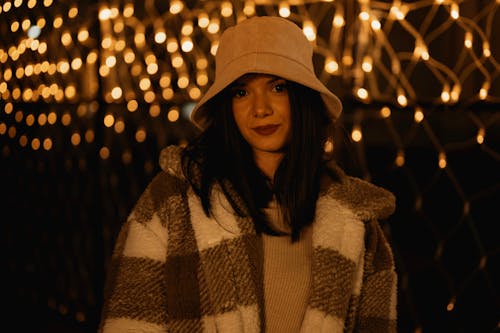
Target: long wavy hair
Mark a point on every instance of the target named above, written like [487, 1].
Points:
[220, 155]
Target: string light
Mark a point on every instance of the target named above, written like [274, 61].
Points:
[202, 78]
[154, 110]
[176, 6]
[128, 10]
[213, 48]
[183, 81]
[486, 49]
[124, 46]
[160, 36]
[445, 94]
[194, 92]
[367, 64]
[226, 9]
[451, 305]
[364, 16]
[356, 134]
[338, 21]
[398, 11]
[455, 11]
[187, 28]
[483, 93]
[480, 135]
[400, 158]
[187, 44]
[418, 115]
[468, 40]
[203, 20]
[402, 100]
[362, 93]
[385, 112]
[375, 24]
[309, 30]
[173, 115]
[455, 93]
[284, 9]
[331, 65]
[249, 8]
[328, 148]
[442, 160]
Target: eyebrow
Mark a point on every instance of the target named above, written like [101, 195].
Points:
[242, 82]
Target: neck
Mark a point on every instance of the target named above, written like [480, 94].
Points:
[268, 162]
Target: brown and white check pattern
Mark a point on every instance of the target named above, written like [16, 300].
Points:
[176, 270]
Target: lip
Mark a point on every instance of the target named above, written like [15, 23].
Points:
[266, 130]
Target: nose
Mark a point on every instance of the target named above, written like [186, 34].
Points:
[261, 105]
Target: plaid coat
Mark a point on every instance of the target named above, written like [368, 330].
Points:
[176, 270]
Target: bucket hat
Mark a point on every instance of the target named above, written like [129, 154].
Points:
[266, 45]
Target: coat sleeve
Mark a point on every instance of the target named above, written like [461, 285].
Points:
[134, 295]
[378, 298]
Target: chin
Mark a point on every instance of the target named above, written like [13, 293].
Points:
[271, 149]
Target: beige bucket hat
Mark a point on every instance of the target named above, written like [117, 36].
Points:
[266, 45]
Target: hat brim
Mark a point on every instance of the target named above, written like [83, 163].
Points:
[264, 63]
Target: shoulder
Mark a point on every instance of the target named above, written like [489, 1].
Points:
[169, 181]
[170, 160]
[171, 178]
[365, 199]
[166, 187]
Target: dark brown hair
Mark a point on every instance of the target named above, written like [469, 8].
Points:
[221, 155]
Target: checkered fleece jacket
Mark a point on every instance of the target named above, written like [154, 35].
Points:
[176, 270]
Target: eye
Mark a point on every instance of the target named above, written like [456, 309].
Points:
[280, 87]
[238, 92]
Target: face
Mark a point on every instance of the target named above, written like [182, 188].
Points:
[261, 109]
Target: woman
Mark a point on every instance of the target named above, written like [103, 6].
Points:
[252, 227]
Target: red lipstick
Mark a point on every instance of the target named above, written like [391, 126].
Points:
[266, 130]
